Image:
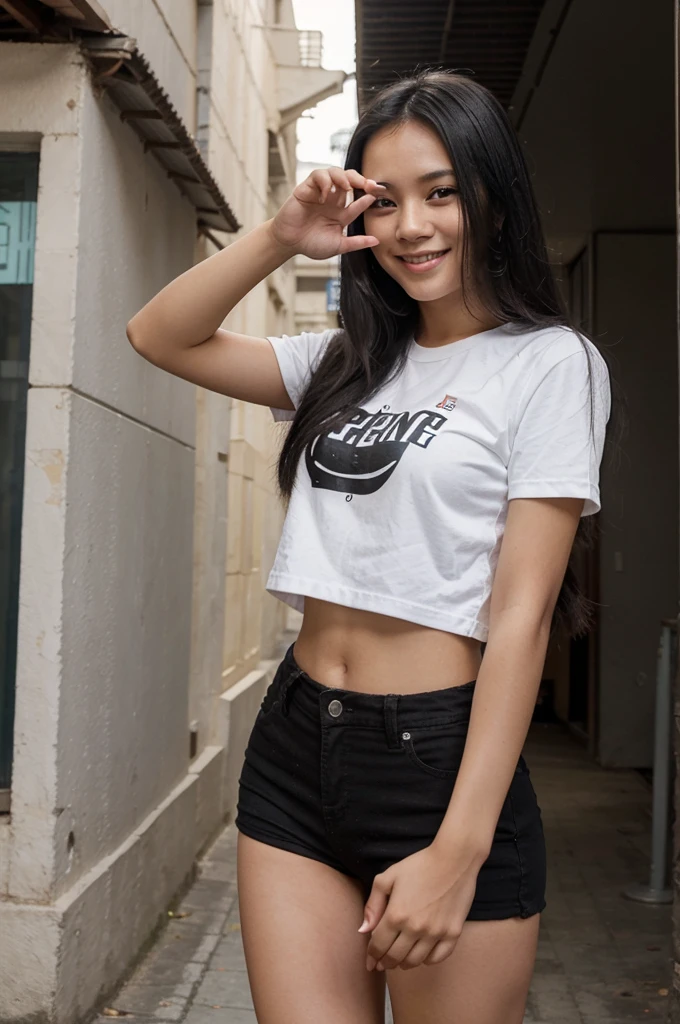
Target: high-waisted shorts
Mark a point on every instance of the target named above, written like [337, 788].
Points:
[361, 780]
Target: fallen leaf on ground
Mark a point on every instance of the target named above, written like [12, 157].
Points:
[663, 991]
[179, 913]
[109, 1011]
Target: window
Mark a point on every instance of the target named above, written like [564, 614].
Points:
[18, 194]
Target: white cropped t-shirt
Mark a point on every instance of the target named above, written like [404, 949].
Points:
[402, 510]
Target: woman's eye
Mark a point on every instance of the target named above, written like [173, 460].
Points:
[443, 192]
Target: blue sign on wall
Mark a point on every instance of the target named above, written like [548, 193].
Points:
[332, 294]
[17, 241]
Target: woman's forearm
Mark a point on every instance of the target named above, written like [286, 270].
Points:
[502, 707]
[190, 309]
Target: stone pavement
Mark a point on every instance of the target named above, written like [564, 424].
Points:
[601, 960]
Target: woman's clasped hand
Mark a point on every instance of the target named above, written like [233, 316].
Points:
[417, 908]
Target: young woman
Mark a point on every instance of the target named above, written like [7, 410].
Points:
[444, 447]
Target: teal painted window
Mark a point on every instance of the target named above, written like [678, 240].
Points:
[18, 195]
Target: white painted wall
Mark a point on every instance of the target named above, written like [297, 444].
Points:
[165, 31]
[101, 770]
[151, 519]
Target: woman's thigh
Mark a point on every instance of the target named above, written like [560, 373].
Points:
[306, 960]
[484, 981]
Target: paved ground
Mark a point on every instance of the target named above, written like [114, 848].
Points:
[602, 959]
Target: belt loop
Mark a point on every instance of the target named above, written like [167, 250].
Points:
[391, 707]
[285, 690]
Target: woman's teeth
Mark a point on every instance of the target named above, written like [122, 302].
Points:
[423, 259]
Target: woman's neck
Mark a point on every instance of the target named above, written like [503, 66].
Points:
[448, 319]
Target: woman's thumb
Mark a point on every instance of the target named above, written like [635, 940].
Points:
[374, 908]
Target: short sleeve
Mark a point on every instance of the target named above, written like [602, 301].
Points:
[298, 356]
[554, 453]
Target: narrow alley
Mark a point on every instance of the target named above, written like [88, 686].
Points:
[602, 959]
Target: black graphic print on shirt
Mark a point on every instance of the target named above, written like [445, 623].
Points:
[362, 455]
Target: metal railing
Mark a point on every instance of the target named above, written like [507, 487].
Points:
[658, 890]
[311, 48]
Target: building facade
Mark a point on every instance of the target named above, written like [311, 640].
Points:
[138, 513]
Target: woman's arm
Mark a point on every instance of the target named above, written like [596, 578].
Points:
[538, 538]
[417, 907]
[179, 328]
[189, 310]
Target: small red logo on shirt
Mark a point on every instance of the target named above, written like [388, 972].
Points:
[448, 403]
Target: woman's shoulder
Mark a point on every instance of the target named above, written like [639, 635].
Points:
[542, 348]
[305, 348]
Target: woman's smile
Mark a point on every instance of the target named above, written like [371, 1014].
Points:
[418, 263]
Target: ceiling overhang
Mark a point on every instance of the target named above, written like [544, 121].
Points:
[50, 19]
[487, 39]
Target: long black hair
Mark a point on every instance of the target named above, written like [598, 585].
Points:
[504, 256]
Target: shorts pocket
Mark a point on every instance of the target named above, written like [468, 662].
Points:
[272, 697]
[270, 702]
[436, 750]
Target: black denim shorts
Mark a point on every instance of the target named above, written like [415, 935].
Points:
[361, 780]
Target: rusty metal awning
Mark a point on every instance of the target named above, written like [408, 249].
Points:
[488, 39]
[121, 69]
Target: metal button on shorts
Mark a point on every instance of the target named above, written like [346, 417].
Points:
[335, 708]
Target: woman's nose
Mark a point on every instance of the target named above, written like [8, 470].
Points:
[413, 222]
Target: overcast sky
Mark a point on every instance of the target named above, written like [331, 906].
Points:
[336, 21]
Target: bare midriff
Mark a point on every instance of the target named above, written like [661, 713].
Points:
[373, 653]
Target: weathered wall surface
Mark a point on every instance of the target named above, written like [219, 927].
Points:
[149, 520]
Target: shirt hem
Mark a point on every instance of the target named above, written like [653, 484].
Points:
[558, 489]
[288, 588]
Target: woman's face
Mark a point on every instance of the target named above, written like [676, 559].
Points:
[418, 219]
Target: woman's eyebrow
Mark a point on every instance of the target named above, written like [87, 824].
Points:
[430, 176]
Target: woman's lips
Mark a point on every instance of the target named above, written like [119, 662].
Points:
[420, 268]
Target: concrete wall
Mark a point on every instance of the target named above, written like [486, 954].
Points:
[599, 137]
[150, 516]
[599, 129]
[101, 735]
[165, 31]
[639, 550]
[243, 68]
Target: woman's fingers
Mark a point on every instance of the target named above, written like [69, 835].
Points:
[325, 179]
[440, 951]
[356, 208]
[350, 243]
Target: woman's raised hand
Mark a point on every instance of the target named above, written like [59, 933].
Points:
[313, 218]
